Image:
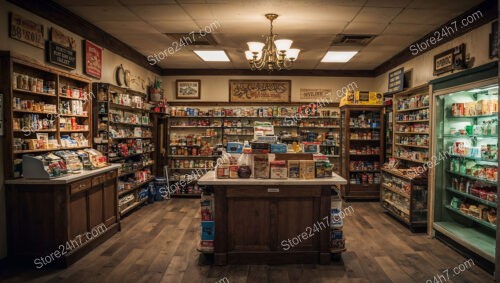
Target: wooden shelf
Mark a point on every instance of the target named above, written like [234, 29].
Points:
[33, 92]
[397, 191]
[73, 115]
[411, 133]
[125, 107]
[130, 124]
[47, 150]
[132, 206]
[136, 186]
[73, 131]
[130, 138]
[409, 145]
[409, 159]
[193, 156]
[35, 131]
[414, 121]
[73, 98]
[186, 195]
[412, 109]
[33, 112]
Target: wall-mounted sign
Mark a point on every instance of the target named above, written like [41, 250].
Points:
[312, 93]
[259, 90]
[188, 89]
[450, 60]
[26, 31]
[60, 55]
[92, 58]
[62, 39]
[396, 81]
[494, 40]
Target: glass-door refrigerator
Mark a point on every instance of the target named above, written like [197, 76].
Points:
[465, 147]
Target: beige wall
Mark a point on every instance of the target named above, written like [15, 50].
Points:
[476, 44]
[216, 88]
[110, 61]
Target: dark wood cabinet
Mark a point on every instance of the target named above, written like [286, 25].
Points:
[42, 216]
[253, 221]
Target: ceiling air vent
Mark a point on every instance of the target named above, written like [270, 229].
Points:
[352, 39]
[193, 38]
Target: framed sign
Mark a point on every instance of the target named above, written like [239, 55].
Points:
[62, 39]
[494, 40]
[26, 31]
[188, 89]
[92, 58]
[60, 55]
[312, 93]
[449, 60]
[259, 90]
[396, 81]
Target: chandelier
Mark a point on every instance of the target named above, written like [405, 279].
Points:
[275, 54]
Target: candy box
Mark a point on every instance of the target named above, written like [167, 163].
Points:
[307, 169]
[293, 168]
[278, 148]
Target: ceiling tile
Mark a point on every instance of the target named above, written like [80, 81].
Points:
[104, 12]
[405, 29]
[160, 12]
[174, 26]
[444, 4]
[425, 16]
[388, 3]
[377, 15]
[364, 28]
[71, 3]
[125, 27]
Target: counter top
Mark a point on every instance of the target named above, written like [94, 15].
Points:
[209, 179]
[65, 179]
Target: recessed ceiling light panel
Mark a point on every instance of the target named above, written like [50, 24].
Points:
[338, 56]
[212, 55]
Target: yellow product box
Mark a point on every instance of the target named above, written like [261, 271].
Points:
[362, 98]
[470, 108]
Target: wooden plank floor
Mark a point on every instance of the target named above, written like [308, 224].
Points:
[158, 244]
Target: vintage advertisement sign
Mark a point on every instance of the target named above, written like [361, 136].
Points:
[92, 56]
[259, 90]
[313, 93]
[60, 55]
[450, 60]
[62, 39]
[26, 31]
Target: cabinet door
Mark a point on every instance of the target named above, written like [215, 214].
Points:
[96, 214]
[249, 224]
[110, 199]
[78, 221]
[296, 220]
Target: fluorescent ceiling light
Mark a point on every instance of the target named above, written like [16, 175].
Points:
[212, 55]
[338, 56]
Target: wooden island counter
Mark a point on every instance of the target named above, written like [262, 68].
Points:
[253, 217]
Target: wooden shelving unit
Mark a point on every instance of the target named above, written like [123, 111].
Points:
[362, 140]
[228, 129]
[30, 90]
[405, 197]
[113, 116]
[411, 144]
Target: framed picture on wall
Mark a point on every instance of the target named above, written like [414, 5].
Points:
[187, 89]
[259, 90]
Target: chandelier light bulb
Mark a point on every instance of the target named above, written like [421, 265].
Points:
[249, 55]
[283, 44]
[293, 53]
[255, 46]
